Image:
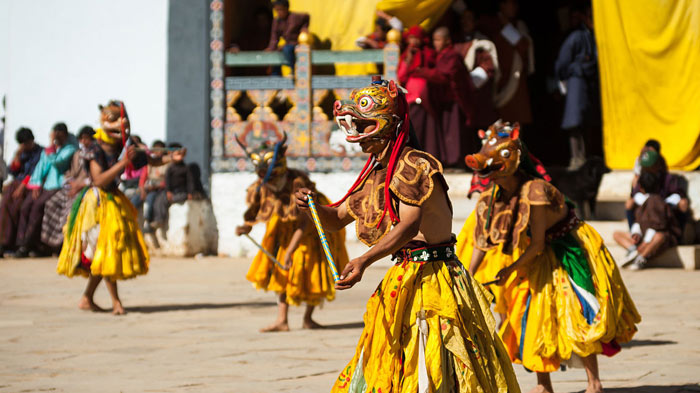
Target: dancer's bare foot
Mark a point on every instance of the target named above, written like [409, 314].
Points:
[276, 327]
[117, 309]
[89, 305]
[311, 324]
[595, 387]
[542, 389]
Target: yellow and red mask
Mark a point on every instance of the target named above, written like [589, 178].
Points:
[372, 112]
[379, 113]
[500, 151]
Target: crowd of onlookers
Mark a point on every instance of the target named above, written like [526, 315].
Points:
[471, 69]
[46, 181]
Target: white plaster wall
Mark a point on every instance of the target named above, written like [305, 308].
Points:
[60, 59]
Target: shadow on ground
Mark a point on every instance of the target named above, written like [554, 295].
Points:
[644, 343]
[656, 389]
[349, 325]
[196, 306]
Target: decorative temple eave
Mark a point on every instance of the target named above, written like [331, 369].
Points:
[312, 143]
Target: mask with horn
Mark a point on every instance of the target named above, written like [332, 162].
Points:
[268, 157]
[500, 151]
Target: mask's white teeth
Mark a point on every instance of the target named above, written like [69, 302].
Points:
[348, 120]
[489, 161]
[337, 120]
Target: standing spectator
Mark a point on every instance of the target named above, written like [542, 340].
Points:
[417, 54]
[656, 227]
[577, 68]
[481, 58]
[179, 187]
[382, 25]
[287, 25]
[130, 178]
[21, 169]
[516, 61]
[58, 207]
[450, 96]
[151, 183]
[45, 181]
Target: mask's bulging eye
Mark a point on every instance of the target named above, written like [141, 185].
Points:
[365, 103]
[255, 158]
[505, 153]
[268, 156]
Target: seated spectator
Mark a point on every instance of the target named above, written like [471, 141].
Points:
[58, 207]
[656, 227]
[21, 168]
[671, 186]
[152, 182]
[46, 180]
[450, 97]
[382, 25]
[180, 186]
[287, 25]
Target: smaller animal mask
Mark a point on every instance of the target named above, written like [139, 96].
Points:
[268, 157]
[500, 151]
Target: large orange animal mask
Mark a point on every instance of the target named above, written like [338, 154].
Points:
[500, 151]
[372, 112]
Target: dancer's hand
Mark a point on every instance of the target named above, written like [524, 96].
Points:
[243, 229]
[287, 260]
[503, 275]
[637, 238]
[302, 199]
[35, 193]
[352, 274]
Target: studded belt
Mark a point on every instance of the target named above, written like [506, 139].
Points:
[426, 253]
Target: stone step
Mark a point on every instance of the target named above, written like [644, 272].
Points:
[686, 257]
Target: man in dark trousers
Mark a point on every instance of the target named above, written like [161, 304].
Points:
[287, 25]
[577, 69]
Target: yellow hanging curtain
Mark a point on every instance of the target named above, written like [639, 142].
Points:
[649, 56]
[341, 22]
[415, 12]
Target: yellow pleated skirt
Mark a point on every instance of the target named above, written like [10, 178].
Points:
[546, 320]
[119, 252]
[440, 305]
[309, 280]
[494, 259]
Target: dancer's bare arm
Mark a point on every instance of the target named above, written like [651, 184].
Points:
[477, 258]
[332, 218]
[403, 232]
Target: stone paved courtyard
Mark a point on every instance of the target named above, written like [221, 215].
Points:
[192, 326]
